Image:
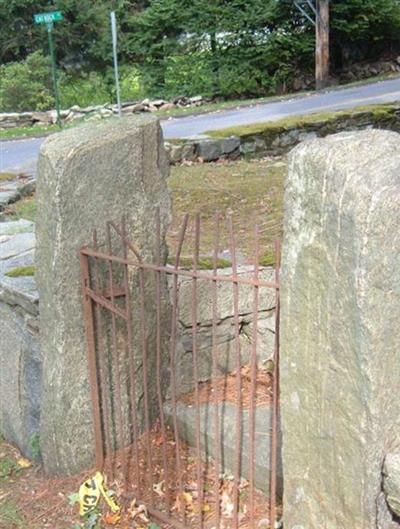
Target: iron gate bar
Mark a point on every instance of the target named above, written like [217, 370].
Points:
[253, 376]
[102, 369]
[238, 444]
[115, 353]
[103, 297]
[158, 363]
[177, 271]
[195, 369]
[132, 374]
[103, 301]
[275, 392]
[217, 447]
[92, 363]
[174, 321]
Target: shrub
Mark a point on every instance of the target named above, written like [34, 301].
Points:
[26, 85]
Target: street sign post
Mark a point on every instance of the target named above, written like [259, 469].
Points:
[49, 19]
[114, 43]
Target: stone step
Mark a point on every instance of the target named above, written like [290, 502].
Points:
[186, 418]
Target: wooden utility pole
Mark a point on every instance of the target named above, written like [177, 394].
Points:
[322, 44]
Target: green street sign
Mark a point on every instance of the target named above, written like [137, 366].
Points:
[47, 18]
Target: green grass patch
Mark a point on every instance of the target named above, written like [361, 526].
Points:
[251, 191]
[21, 271]
[10, 516]
[23, 209]
[8, 468]
[379, 112]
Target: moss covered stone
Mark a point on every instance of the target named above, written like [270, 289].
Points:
[21, 271]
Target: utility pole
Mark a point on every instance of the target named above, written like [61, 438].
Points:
[322, 44]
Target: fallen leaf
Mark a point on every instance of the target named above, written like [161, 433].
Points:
[227, 506]
[111, 518]
[158, 488]
[139, 511]
[24, 463]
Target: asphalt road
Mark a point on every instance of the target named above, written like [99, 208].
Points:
[21, 155]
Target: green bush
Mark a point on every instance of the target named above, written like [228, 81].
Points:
[87, 89]
[26, 85]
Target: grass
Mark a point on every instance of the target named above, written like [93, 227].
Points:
[382, 111]
[251, 191]
[5, 177]
[21, 271]
[23, 209]
[10, 515]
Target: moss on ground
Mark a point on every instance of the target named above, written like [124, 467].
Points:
[205, 263]
[21, 271]
[384, 112]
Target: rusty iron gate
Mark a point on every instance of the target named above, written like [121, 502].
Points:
[140, 392]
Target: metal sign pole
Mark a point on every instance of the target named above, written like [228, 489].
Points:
[54, 71]
[114, 43]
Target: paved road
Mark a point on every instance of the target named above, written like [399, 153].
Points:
[21, 154]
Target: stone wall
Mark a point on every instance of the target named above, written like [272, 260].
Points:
[279, 137]
[20, 358]
[9, 120]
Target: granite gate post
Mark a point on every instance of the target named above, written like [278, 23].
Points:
[86, 177]
[340, 333]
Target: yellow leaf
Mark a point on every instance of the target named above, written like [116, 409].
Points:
[206, 508]
[24, 463]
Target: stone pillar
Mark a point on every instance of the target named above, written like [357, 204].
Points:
[340, 329]
[86, 176]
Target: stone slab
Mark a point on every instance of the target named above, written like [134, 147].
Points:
[20, 379]
[13, 245]
[16, 226]
[186, 418]
[340, 332]
[86, 177]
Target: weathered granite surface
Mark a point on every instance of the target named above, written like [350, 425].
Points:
[20, 359]
[340, 334]
[186, 420]
[86, 176]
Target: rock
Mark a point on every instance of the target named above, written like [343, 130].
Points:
[228, 145]
[188, 151]
[247, 147]
[157, 103]
[195, 99]
[138, 107]
[186, 417]
[16, 226]
[340, 360]
[167, 106]
[83, 178]
[398, 60]
[11, 246]
[41, 117]
[209, 150]
[175, 153]
[391, 483]
[20, 379]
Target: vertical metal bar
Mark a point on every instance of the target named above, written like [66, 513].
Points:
[131, 356]
[238, 444]
[103, 367]
[174, 322]
[143, 333]
[195, 368]
[253, 379]
[159, 363]
[217, 444]
[91, 356]
[116, 360]
[275, 393]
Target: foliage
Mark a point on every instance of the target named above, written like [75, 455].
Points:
[23, 271]
[167, 48]
[26, 85]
